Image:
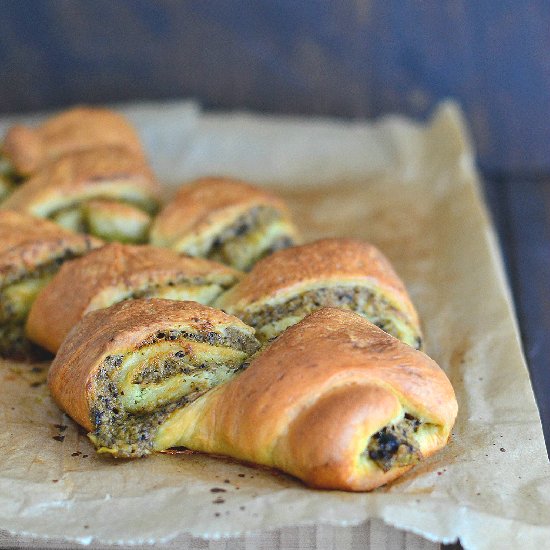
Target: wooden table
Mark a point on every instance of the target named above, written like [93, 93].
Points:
[372, 536]
[521, 212]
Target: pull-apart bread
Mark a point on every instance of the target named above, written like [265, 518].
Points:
[284, 287]
[124, 370]
[31, 252]
[108, 192]
[334, 401]
[25, 150]
[224, 220]
[120, 272]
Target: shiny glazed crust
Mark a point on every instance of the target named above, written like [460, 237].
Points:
[310, 402]
[124, 327]
[102, 276]
[26, 242]
[104, 172]
[205, 207]
[73, 130]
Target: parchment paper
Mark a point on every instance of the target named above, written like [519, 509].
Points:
[413, 191]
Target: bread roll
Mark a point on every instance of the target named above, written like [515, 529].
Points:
[225, 220]
[115, 273]
[26, 150]
[124, 369]
[31, 252]
[107, 191]
[334, 401]
[284, 287]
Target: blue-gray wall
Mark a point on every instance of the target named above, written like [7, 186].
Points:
[351, 58]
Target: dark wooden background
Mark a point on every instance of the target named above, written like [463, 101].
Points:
[348, 58]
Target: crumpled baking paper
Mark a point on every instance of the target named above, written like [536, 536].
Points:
[413, 191]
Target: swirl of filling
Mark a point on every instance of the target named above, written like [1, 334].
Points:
[225, 220]
[109, 192]
[283, 288]
[144, 359]
[31, 252]
[334, 401]
[118, 272]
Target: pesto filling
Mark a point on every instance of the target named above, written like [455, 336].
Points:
[196, 289]
[395, 445]
[128, 430]
[361, 300]
[252, 236]
[16, 299]
[163, 290]
[79, 218]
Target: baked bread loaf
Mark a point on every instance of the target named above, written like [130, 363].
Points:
[31, 252]
[284, 287]
[107, 191]
[123, 370]
[25, 149]
[334, 401]
[119, 272]
[225, 220]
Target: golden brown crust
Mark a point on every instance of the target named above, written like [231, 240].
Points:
[116, 269]
[104, 172]
[72, 130]
[288, 272]
[26, 242]
[206, 204]
[334, 379]
[120, 328]
[327, 465]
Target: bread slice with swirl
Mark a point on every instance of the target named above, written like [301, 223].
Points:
[119, 272]
[31, 252]
[334, 401]
[107, 191]
[283, 288]
[123, 370]
[224, 220]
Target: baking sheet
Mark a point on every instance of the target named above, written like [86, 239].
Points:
[413, 191]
